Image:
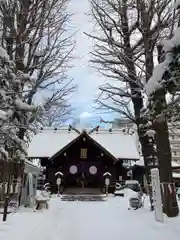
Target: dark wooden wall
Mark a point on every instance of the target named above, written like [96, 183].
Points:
[96, 156]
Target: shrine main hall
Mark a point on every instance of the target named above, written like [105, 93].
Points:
[83, 156]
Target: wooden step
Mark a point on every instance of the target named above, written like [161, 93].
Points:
[82, 191]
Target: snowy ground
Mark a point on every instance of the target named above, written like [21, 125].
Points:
[88, 221]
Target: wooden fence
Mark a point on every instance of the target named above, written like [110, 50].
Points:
[11, 176]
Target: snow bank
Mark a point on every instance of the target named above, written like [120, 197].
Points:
[42, 196]
[128, 193]
[68, 220]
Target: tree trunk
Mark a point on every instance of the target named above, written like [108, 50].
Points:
[134, 87]
[145, 152]
[170, 206]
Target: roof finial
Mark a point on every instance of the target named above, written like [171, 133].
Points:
[94, 129]
[74, 129]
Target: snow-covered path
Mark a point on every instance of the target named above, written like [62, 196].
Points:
[86, 221]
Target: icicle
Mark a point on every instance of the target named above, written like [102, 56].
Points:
[17, 188]
[5, 188]
[11, 188]
[162, 187]
[170, 188]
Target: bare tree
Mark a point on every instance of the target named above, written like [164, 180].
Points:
[56, 115]
[35, 34]
[124, 52]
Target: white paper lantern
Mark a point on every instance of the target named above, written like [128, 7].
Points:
[93, 170]
[73, 169]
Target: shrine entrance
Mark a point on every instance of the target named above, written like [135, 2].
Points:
[85, 175]
[83, 163]
[85, 180]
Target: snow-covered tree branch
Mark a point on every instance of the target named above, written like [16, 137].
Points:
[125, 44]
[36, 37]
[129, 33]
[14, 112]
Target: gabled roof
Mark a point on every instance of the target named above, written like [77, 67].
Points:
[48, 142]
[87, 136]
[118, 143]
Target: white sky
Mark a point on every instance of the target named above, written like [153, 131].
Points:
[87, 78]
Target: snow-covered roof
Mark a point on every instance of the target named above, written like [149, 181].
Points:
[120, 145]
[141, 163]
[175, 164]
[176, 175]
[48, 142]
[30, 167]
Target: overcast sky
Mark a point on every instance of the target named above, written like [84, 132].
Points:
[86, 77]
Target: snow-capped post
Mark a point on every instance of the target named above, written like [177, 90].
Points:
[59, 176]
[58, 182]
[151, 133]
[107, 176]
[157, 198]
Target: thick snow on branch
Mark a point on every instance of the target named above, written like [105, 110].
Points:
[14, 112]
[3, 115]
[3, 153]
[3, 54]
[20, 105]
[168, 45]
[155, 81]
[157, 78]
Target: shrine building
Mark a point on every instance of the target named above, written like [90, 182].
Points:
[83, 156]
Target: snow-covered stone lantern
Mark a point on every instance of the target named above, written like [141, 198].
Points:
[107, 176]
[150, 133]
[59, 176]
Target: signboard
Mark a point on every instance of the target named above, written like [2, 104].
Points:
[58, 181]
[156, 192]
[107, 181]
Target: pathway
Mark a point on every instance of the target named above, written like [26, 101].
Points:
[88, 221]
